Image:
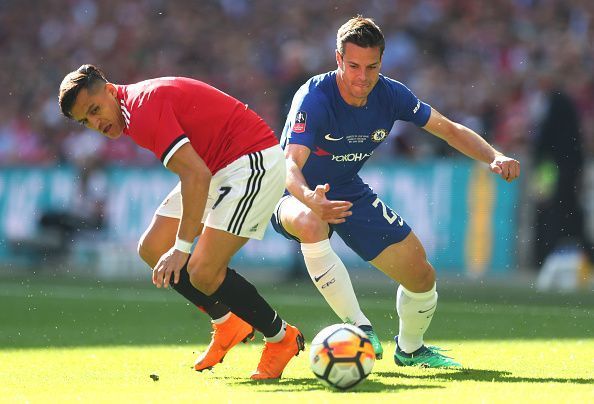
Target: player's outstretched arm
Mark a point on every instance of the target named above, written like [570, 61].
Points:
[333, 212]
[470, 143]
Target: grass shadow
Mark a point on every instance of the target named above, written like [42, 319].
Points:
[486, 375]
[312, 384]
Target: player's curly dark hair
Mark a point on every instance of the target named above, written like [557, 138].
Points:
[86, 76]
[361, 31]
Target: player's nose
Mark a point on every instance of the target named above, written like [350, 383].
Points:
[94, 124]
[363, 75]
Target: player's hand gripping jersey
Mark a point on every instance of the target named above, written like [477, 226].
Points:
[341, 139]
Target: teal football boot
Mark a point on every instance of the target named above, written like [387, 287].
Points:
[375, 342]
[425, 356]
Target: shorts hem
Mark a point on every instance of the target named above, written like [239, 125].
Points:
[171, 215]
[394, 241]
[255, 235]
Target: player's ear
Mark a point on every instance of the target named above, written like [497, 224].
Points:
[111, 89]
[338, 58]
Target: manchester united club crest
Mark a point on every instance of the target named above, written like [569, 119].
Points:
[300, 122]
[379, 135]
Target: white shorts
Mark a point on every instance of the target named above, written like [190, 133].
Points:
[241, 197]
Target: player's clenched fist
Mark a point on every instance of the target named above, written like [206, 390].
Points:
[506, 167]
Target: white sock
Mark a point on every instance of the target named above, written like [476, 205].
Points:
[415, 311]
[221, 319]
[279, 336]
[331, 278]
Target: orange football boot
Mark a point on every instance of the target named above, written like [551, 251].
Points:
[224, 337]
[276, 355]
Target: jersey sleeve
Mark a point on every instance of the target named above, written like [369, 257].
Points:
[305, 120]
[169, 135]
[408, 107]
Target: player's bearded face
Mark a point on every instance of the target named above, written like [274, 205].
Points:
[358, 72]
[98, 109]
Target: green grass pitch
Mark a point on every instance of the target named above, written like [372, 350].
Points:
[88, 341]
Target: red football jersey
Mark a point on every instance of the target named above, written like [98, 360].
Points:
[164, 113]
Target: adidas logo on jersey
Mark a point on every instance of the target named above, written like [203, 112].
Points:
[253, 228]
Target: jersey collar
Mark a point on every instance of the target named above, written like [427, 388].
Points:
[124, 109]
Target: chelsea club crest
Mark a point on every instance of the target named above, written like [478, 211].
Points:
[379, 135]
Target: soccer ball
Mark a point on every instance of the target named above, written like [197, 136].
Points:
[341, 356]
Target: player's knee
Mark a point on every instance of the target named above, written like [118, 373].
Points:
[146, 251]
[309, 228]
[151, 246]
[206, 278]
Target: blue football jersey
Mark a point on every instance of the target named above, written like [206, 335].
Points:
[342, 137]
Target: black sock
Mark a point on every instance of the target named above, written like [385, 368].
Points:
[185, 288]
[216, 310]
[244, 300]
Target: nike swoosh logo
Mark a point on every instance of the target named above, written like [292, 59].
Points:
[317, 278]
[425, 311]
[334, 139]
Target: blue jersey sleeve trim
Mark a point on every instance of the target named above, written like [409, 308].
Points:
[424, 114]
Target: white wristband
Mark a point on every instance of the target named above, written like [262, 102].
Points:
[183, 245]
